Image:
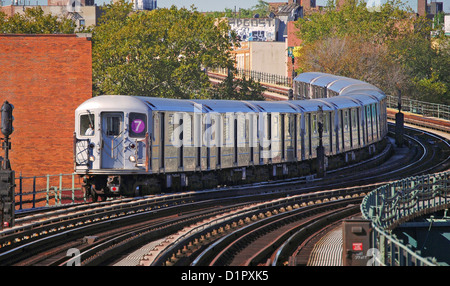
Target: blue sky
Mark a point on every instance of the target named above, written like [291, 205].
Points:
[220, 5]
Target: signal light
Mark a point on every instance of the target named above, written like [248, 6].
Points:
[7, 118]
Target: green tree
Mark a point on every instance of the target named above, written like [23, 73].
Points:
[388, 46]
[262, 9]
[234, 88]
[424, 55]
[160, 53]
[34, 21]
[353, 18]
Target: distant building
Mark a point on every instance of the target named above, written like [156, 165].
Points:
[273, 28]
[435, 7]
[265, 57]
[447, 25]
[286, 14]
[83, 12]
[264, 41]
[255, 29]
[145, 4]
[429, 10]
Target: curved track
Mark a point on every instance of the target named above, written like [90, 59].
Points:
[103, 232]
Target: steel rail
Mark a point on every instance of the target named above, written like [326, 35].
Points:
[115, 209]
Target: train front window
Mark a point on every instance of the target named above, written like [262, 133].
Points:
[113, 123]
[87, 125]
[138, 125]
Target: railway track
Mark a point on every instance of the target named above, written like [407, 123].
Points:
[97, 234]
[259, 243]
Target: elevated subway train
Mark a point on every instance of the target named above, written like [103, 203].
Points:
[131, 145]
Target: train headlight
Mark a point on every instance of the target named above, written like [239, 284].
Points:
[91, 158]
[132, 158]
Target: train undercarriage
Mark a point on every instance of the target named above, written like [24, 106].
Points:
[102, 186]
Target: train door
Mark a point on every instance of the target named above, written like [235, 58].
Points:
[308, 135]
[253, 137]
[336, 131]
[368, 124]
[314, 132]
[298, 136]
[112, 140]
[376, 120]
[265, 137]
[347, 137]
[342, 125]
[326, 135]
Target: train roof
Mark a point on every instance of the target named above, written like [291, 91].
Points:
[275, 106]
[377, 93]
[110, 103]
[312, 105]
[365, 99]
[342, 101]
[309, 76]
[223, 106]
[169, 104]
[343, 84]
[325, 80]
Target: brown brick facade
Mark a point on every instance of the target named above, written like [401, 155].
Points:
[45, 77]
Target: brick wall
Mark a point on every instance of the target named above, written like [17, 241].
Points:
[45, 77]
[292, 41]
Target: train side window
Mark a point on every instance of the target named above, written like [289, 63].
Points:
[346, 121]
[87, 125]
[354, 121]
[326, 122]
[275, 125]
[138, 125]
[212, 130]
[314, 123]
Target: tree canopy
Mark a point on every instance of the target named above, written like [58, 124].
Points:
[261, 9]
[34, 21]
[388, 46]
[162, 53]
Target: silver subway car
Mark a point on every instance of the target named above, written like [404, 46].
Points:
[131, 145]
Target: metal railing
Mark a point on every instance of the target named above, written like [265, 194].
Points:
[49, 190]
[392, 204]
[420, 107]
[429, 109]
[262, 77]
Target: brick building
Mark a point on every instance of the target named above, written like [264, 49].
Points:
[45, 77]
[292, 41]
